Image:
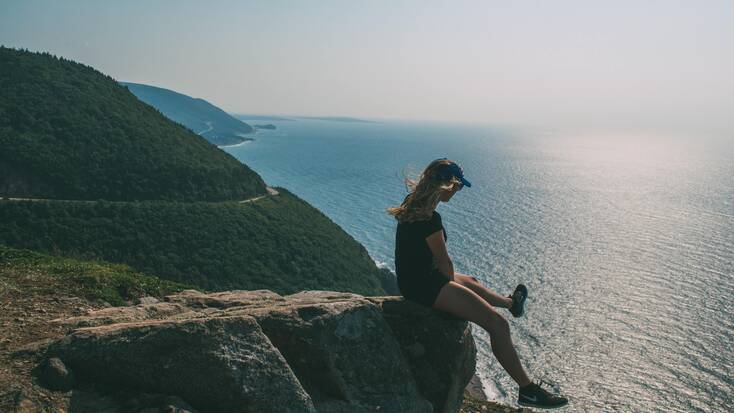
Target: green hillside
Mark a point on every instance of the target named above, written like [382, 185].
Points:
[278, 242]
[68, 131]
[117, 181]
[209, 121]
[32, 272]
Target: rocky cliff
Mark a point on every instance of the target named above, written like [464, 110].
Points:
[257, 351]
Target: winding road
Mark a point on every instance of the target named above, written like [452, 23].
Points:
[271, 192]
[209, 124]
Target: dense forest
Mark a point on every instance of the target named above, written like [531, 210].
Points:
[279, 242]
[117, 181]
[68, 131]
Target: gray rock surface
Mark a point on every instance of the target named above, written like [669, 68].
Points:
[257, 351]
[55, 376]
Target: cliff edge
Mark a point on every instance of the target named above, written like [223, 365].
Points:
[257, 351]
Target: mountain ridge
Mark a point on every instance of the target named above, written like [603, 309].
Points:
[68, 131]
[197, 114]
[131, 186]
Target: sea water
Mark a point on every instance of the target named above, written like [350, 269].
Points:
[625, 241]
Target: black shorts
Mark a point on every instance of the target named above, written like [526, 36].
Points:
[422, 288]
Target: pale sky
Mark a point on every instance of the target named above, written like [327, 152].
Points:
[587, 62]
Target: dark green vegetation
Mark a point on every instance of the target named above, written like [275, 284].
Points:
[68, 131]
[214, 124]
[117, 181]
[277, 242]
[95, 280]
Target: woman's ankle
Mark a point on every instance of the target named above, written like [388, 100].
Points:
[508, 302]
[528, 383]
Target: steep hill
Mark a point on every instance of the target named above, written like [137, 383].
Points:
[278, 242]
[209, 121]
[171, 211]
[68, 131]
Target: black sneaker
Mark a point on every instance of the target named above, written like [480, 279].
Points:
[533, 395]
[518, 300]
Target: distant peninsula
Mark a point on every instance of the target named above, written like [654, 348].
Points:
[337, 119]
[268, 126]
[251, 117]
[203, 118]
[278, 118]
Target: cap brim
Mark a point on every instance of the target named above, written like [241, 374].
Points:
[465, 182]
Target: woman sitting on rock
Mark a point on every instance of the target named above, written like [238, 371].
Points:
[426, 274]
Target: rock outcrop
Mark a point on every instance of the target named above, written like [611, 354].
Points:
[257, 351]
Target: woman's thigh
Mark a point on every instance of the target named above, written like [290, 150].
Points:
[465, 279]
[464, 303]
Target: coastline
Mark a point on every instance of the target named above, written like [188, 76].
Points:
[236, 144]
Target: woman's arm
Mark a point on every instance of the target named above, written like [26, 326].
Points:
[440, 255]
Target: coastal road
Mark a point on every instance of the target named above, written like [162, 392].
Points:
[271, 192]
[209, 124]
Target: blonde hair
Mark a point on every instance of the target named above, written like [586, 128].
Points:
[424, 195]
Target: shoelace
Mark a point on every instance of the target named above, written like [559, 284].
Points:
[543, 382]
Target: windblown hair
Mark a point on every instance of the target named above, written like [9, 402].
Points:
[424, 195]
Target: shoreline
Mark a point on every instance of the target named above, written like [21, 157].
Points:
[236, 144]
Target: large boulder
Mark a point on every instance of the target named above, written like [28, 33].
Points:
[438, 346]
[257, 351]
[219, 364]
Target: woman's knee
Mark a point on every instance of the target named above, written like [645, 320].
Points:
[499, 323]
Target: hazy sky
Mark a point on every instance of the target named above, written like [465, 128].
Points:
[543, 62]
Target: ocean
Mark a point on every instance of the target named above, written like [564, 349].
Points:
[625, 241]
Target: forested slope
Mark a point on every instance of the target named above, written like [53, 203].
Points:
[113, 179]
[278, 242]
[68, 131]
[209, 121]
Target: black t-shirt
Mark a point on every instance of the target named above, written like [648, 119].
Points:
[412, 254]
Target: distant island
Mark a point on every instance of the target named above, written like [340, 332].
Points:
[203, 118]
[269, 126]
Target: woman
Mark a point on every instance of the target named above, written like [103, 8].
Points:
[426, 274]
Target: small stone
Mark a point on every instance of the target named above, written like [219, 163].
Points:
[26, 406]
[55, 376]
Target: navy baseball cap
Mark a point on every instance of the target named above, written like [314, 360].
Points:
[445, 172]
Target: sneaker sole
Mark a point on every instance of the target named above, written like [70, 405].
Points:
[522, 308]
[540, 406]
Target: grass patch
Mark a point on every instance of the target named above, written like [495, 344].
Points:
[117, 284]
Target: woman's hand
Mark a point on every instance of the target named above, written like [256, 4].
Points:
[441, 259]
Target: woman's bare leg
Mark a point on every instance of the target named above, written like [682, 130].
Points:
[475, 285]
[464, 303]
